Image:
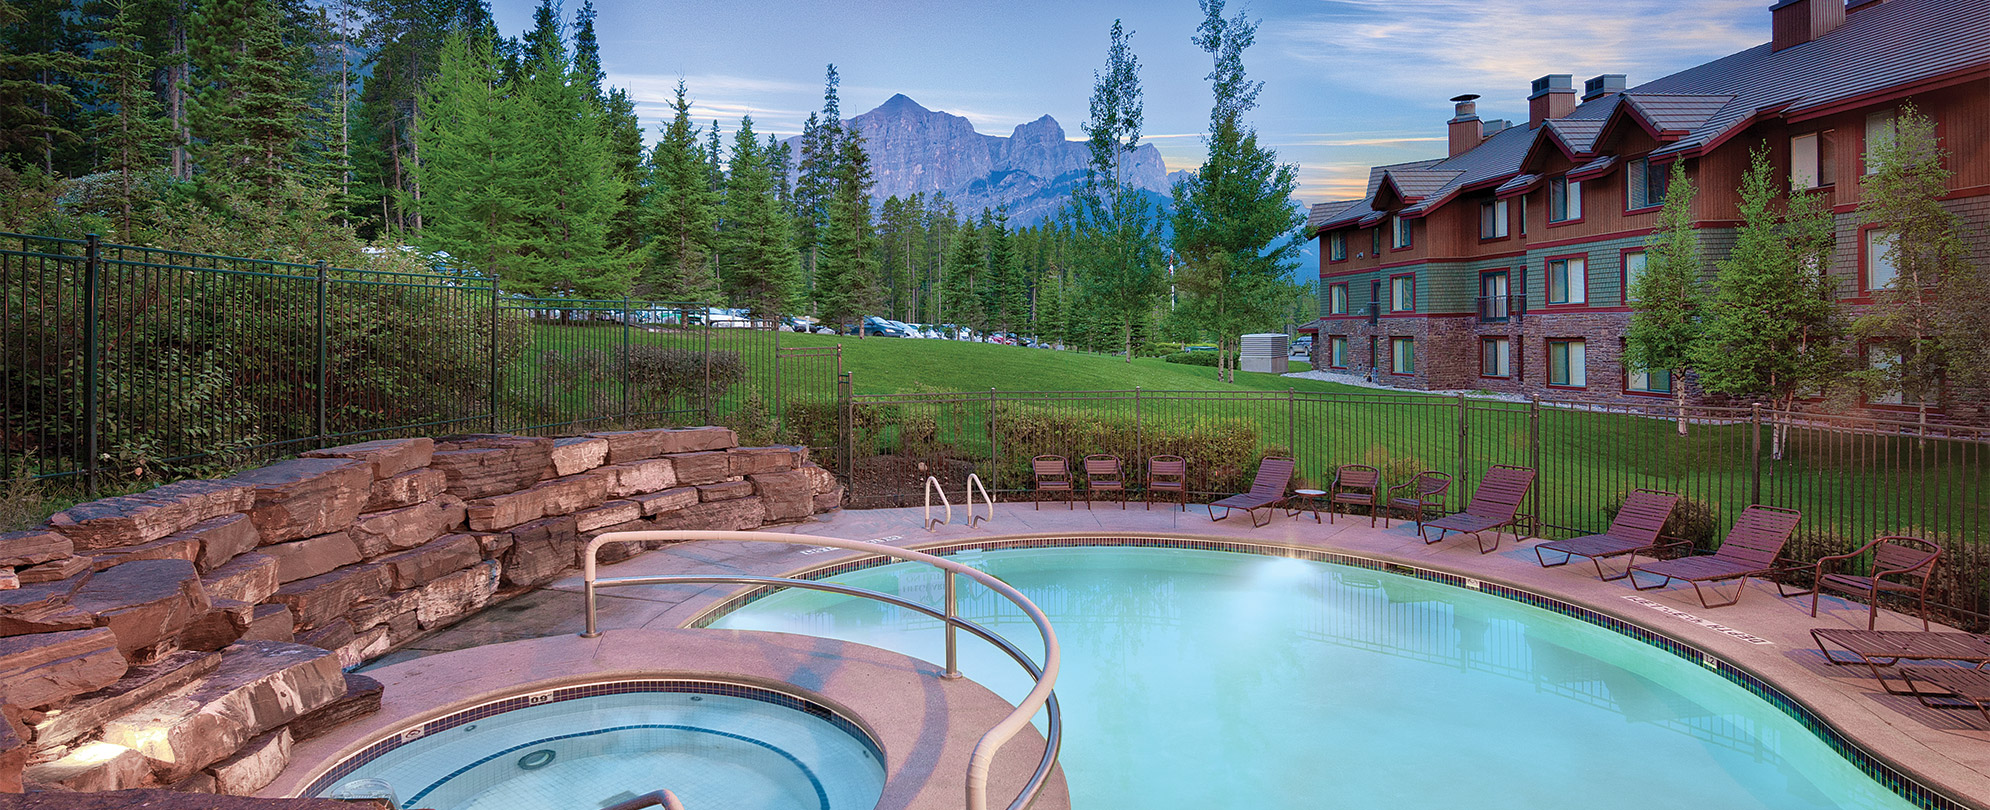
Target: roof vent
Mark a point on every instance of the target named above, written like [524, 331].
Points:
[1496, 126]
[1602, 86]
[1465, 128]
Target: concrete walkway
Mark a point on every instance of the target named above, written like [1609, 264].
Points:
[1943, 749]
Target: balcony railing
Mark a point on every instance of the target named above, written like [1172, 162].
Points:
[1499, 308]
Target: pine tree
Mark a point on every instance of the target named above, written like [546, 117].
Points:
[568, 160]
[1118, 232]
[41, 68]
[622, 131]
[680, 213]
[1665, 314]
[815, 182]
[1913, 318]
[246, 111]
[131, 133]
[847, 284]
[1772, 326]
[474, 174]
[1234, 225]
[587, 50]
[964, 267]
[757, 249]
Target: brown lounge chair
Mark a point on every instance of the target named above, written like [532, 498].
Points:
[1167, 474]
[1910, 560]
[1355, 485]
[1884, 648]
[1421, 497]
[1749, 550]
[1965, 688]
[1103, 474]
[1053, 474]
[1496, 504]
[1267, 491]
[1636, 528]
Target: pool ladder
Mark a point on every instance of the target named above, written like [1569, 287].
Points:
[661, 798]
[973, 483]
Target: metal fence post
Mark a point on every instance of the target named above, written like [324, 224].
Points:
[493, 426]
[324, 330]
[93, 350]
[1464, 436]
[1755, 453]
[707, 329]
[1139, 439]
[1534, 456]
[626, 315]
[1291, 423]
[994, 451]
[845, 428]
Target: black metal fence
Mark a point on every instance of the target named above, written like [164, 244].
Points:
[118, 357]
[1854, 479]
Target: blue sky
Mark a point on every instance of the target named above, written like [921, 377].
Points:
[1348, 83]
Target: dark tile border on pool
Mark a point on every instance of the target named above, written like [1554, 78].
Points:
[346, 766]
[1903, 785]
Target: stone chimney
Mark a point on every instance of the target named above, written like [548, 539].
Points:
[1795, 22]
[1466, 130]
[1603, 85]
[1553, 97]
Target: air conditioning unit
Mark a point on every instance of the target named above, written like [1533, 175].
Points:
[1266, 353]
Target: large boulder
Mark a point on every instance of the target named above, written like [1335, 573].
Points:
[307, 558]
[362, 697]
[254, 767]
[144, 602]
[725, 490]
[249, 578]
[389, 457]
[95, 767]
[173, 547]
[453, 596]
[224, 624]
[259, 686]
[670, 499]
[322, 599]
[612, 513]
[447, 555]
[306, 497]
[752, 460]
[53, 570]
[578, 454]
[142, 518]
[47, 668]
[480, 466]
[702, 468]
[32, 547]
[222, 539]
[787, 495]
[638, 477]
[42, 608]
[540, 550]
[400, 529]
[139, 686]
[407, 489]
[636, 445]
[736, 515]
[560, 496]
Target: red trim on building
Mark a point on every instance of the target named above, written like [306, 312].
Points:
[1584, 240]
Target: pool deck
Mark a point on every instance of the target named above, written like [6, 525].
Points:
[1949, 750]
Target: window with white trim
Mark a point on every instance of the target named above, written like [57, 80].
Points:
[1880, 129]
[1564, 199]
[1492, 219]
[1399, 233]
[1647, 182]
[1495, 359]
[1402, 294]
[1568, 363]
[1568, 281]
[1402, 355]
[1337, 246]
[1882, 250]
[1811, 161]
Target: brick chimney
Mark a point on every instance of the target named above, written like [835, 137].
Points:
[1553, 97]
[1603, 85]
[1466, 129]
[1795, 22]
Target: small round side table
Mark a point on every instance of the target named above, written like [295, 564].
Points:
[1304, 499]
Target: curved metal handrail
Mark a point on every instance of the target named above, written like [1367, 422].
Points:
[982, 759]
[973, 483]
[933, 486]
[658, 798]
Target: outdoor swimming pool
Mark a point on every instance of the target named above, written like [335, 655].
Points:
[1196, 679]
[719, 746]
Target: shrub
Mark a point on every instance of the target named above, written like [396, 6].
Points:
[570, 385]
[1222, 454]
[1696, 521]
[1206, 359]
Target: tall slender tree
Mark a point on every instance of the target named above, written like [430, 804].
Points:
[757, 248]
[1117, 259]
[680, 212]
[568, 159]
[1665, 313]
[474, 174]
[1234, 225]
[816, 171]
[847, 281]
[131, 133]
[247, 110]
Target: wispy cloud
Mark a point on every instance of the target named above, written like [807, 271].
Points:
[1440, 47]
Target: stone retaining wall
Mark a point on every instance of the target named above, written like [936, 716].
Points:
[185, 637]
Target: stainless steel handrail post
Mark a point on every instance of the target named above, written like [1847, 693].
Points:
[932, 487]
[974, 483]
[981, 760]
[660, 798]
[953, 650]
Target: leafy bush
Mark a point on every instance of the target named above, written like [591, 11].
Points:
[1206, 359]
[1696, 521]
[575, 384]
[1222, 454]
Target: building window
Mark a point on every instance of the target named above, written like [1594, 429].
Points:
[1337, 246]
[1523, 215]
[1375, 241]
[1337, 348]
[1402, 355]
[1881, 357]
[1881, 253]
[1399, 233]
[1811, 161]
[1492, 219]
[1567, 281]
[1494, 358]
[1634, 266]
[1402, 293]
[1564, 199]
[1650, 382]
[1880, 128]
[1647, 183]
[1337, 299]
[1494, 297]
[1567, 363]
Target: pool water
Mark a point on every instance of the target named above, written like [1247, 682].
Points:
[1204, 679]
[716, 752]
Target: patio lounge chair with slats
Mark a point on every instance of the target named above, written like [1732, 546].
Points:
[1053, 474]
[1167, 474]
[1750, 549]
[1495, 505]
[1965, 688]
[1900, 565]
[1267, 491]
[1881, 649]
[1355, 485]
[1635, 528]
[1103, 474]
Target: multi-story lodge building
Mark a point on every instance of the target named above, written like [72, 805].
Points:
[1504, 265]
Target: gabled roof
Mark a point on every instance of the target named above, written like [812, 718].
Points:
[1520, 184]
[1669, 116]
[1411, 186]
[1593, 169]
[1320, 213]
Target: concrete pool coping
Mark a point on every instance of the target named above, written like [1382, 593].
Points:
[1948, 751]
[925, 725]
